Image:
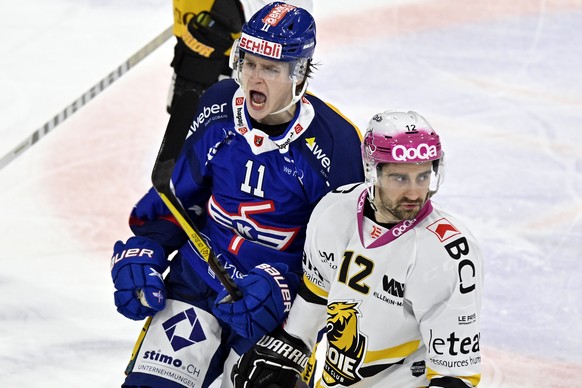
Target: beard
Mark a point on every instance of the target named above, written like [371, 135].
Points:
[397, 210]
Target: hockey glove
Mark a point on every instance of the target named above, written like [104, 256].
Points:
[136, 269]
[268, 291]
[277, 360]
[200, 54]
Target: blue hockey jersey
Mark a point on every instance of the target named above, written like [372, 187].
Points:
[250, 193]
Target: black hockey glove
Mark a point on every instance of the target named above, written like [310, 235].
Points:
[277, 360]
[447, 382]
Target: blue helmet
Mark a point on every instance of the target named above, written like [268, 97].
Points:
[279, 31]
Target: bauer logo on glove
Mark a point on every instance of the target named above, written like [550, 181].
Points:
[281, 282]
[136, 269]
[132, 252]
[268, 291]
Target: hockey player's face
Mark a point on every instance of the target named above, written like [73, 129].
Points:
[402, 190]
[267, 87]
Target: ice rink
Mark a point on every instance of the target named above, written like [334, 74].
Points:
[500, 80]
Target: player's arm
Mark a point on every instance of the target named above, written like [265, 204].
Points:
[339, 140]
[280, 357]
[268, 291]
[205, 32]
[151, 218]
[281, 365]
[446, 298]
[137, 265]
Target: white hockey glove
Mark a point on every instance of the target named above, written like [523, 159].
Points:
[277, 360]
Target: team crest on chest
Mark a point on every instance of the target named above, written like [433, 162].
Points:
[376, 231]
[346, 347]
[259, 140]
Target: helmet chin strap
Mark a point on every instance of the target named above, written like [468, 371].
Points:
[294, 98]
[372, 203]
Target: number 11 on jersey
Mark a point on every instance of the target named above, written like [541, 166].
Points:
[246, 185]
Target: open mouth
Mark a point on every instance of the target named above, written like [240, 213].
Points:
[258, 99]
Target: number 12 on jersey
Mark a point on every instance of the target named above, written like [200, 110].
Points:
[356, 281]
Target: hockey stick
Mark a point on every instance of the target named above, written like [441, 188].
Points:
[172, 143]
[86, 97]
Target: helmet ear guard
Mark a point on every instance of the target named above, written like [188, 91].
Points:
[235, 60]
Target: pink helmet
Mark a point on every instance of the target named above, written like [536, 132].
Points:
[400, 137]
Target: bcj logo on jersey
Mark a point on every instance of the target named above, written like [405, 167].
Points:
[457, 249]
[186, 322]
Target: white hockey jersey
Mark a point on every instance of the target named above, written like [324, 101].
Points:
[401, 306]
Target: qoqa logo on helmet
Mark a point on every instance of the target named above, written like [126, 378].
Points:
[423, 151]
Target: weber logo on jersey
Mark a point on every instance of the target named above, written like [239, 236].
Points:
[319, 154]
[207, 111]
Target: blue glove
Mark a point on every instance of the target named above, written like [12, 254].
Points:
[136, 269]
[268, 291]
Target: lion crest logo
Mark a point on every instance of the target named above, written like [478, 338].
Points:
[346, 345]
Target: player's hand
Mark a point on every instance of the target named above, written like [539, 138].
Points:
[136, 269]
[268, 291]
[199, 56]
[270, 365]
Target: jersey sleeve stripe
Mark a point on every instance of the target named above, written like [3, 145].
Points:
[342, 116]
[473, 379]
[398, 352]
[345, 118]
[314, 289]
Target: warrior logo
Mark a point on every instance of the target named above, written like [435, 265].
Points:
[346, 345]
